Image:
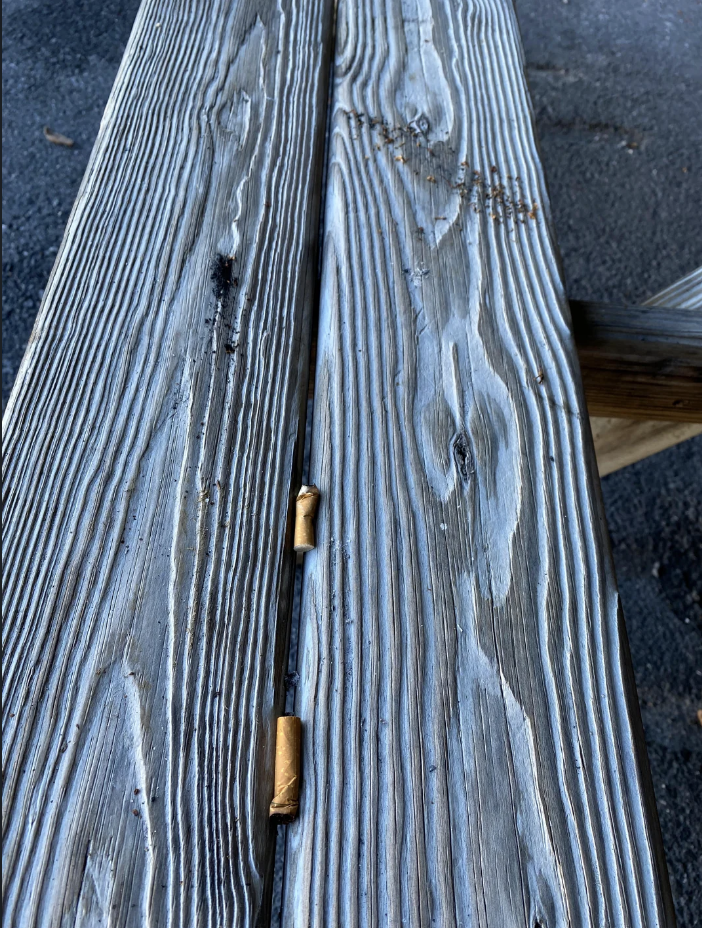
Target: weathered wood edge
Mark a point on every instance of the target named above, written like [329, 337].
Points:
[378, 840]
[648, 324]
[151, 452]
[640, 362]
[620, 442]
[685, 293]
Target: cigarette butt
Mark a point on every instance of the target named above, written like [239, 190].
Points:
[287, 769]
[305, 508]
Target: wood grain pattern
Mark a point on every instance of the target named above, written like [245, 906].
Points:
[685, 293]
[640, 361]
[620, 442]
[150, 447]
[472, 752]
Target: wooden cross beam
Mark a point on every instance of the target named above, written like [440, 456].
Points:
[640, 362]
[619, 442]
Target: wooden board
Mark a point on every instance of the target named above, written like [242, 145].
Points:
[150, 456]
[620, 442]
[685, 293]
[640, 362]
[472, 750]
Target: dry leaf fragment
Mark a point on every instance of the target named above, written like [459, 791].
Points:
[56, 138]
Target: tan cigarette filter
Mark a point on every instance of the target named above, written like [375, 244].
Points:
[305, 509]
[287, 769]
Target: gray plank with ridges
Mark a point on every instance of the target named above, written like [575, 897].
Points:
[150, 445]
[472, 753]
[648, 323]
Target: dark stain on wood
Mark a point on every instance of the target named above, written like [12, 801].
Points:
[222, 277]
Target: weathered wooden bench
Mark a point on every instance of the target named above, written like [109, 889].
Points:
[472, 748]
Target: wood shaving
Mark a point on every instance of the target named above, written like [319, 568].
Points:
[56, 138]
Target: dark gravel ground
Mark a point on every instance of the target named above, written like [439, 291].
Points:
[617, 89]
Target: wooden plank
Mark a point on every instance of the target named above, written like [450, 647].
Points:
[640, 362]
[472, 747]
[150, 446]
[620, 442]
[685, 293]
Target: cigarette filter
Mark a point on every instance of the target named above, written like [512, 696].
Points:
[305, 508]
[287, 769]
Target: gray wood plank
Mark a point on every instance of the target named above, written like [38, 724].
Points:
[647, 324]
[151, 441]
[472, 751]
[685, 293]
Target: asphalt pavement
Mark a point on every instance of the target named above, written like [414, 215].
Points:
[617, 91]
